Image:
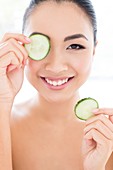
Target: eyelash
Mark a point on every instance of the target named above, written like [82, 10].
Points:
[75, 47]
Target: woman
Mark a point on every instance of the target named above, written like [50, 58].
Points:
[43, 133]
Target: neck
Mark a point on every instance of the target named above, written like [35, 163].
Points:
[52, 111]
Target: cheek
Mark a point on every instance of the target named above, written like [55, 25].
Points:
[33, 67]
[82, 64]
[31, 70]
[82, 69]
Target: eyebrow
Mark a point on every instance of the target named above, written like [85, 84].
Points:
[75, 36]
[71, 37]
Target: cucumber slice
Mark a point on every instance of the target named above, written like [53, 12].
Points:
[39, 46]
[83, 109]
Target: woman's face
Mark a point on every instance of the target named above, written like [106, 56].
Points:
[67, 66]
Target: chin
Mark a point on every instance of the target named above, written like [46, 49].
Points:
[58, 98]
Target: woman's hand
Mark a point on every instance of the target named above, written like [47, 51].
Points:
[13, 57]
[98, 140]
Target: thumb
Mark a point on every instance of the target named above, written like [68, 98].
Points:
[87, 145]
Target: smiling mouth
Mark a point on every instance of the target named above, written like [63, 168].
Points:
[58, 82]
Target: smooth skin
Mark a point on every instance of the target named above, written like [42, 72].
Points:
[45, 134]
[12, 57]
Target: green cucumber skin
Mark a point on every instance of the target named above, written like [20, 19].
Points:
[88, 98]
[33, 34]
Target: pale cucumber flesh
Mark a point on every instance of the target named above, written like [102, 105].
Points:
[39, 46]
[84, 108]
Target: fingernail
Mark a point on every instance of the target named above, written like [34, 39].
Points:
[95, 110]
[27, 39]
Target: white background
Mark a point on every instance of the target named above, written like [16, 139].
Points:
[100, 83]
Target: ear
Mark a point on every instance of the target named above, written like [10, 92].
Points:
[95, 45]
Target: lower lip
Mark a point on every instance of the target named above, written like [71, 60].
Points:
[56, 87]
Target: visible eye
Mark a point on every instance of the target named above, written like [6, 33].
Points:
[75, 47]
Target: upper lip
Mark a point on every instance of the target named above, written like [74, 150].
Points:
[57, 78]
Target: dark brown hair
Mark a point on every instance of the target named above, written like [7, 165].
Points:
[85, 5]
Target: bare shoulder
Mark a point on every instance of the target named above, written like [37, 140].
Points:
[22, 122]
[20, 110]
[21, 133]
[19, 115]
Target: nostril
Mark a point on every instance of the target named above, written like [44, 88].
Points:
[56, 67]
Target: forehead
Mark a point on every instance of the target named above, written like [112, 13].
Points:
[64, 18]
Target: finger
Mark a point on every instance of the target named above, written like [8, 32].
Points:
[21, 48]
[111, 118]
[103, 119]
[88, 145]
[19, 37]
[12, 67]
[10, 46]
[106, 111]
[93, 134]
[8, 60]
[100, 127]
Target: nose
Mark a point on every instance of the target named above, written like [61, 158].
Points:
[56, 63]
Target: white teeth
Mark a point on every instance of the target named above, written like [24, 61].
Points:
[60, 82]
[50, 82]
[56, 83]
